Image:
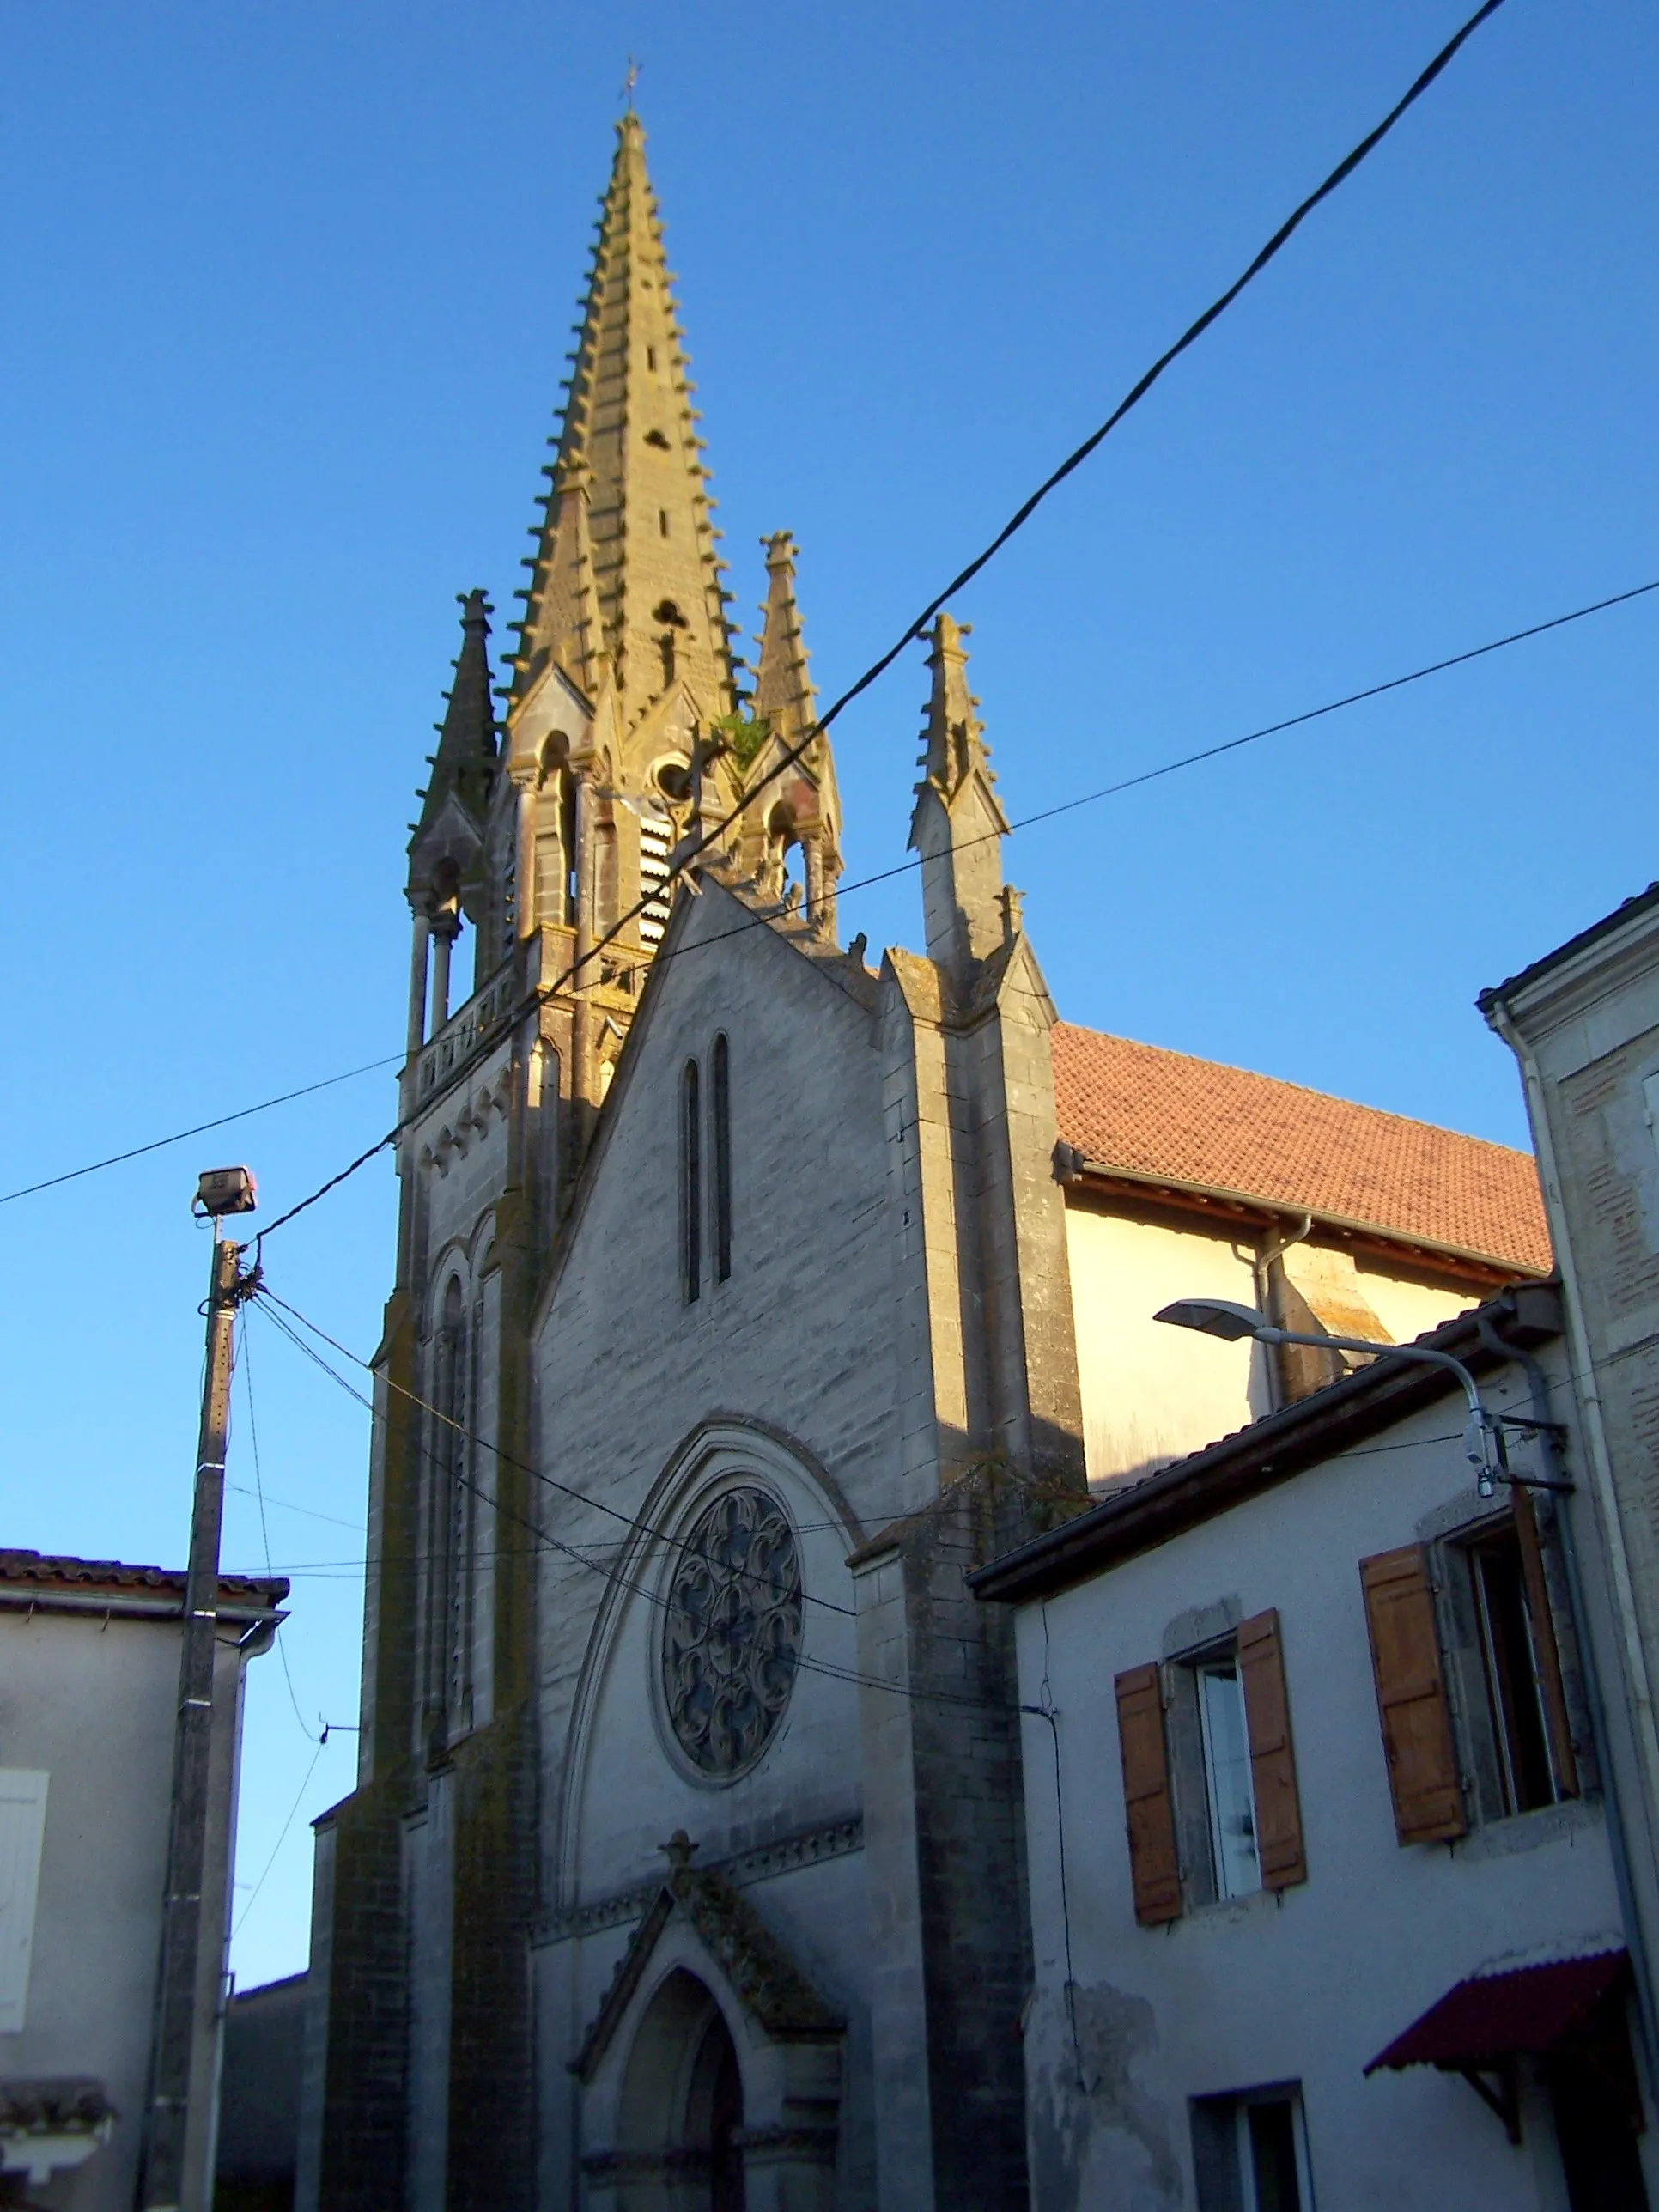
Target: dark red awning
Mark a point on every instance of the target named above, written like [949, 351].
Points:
[1494, 2016]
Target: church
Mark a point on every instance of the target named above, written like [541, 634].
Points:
[750, 1292]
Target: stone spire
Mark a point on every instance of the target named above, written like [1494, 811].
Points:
[783, 690]
[625, 582]
[959, 821]
[797, 806]
[464, 766]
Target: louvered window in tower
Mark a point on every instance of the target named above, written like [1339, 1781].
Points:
[654, 837]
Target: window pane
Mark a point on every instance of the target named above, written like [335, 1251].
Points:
[1517, 1712]
[1272, 2130]
[1227, 1778]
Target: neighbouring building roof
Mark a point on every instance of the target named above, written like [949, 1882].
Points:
[1159, 1116]
[1135, 1517]
[56, 1570]
[1641, 903]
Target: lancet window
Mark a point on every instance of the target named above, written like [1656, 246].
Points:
[721, 1116]
[448, 1526]
[691, 1180]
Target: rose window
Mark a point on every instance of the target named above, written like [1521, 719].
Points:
[731, 1634]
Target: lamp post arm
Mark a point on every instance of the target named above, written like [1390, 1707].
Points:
[1419, 1352]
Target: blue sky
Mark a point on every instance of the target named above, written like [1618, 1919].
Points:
[286, 294]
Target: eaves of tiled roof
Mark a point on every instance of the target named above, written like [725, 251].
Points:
[1136, 1516]
[1159, 1117]
[94, 1577]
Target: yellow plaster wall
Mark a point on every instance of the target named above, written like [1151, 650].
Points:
[1152, 1394]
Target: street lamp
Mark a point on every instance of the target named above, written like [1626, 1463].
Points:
[1482, 1437]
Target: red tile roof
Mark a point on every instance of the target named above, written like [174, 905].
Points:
[1164, 1116]
[50, 1571]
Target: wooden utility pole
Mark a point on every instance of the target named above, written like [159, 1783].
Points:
[175, 2045]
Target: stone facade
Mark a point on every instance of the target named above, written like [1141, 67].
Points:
[1584, 1022]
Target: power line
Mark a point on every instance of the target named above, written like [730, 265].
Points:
[544, 1540]
[353, 1568]
[265, 1533]
[1344, 169]
[904, 867]
[767, 916]
[913, 629]
[219, 1122]
[908, 866]
[242, 1917]
[629, 1520]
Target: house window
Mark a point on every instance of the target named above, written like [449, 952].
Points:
[722, 1120]
[691, 1182]
[1209, 1774]
[1250, 2151]
[1229, 1800]
[1469, 1689]
[1513, 1678]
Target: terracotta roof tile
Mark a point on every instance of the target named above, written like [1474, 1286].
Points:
[58, 1572]
[1147, 1112]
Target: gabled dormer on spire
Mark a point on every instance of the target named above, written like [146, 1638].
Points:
[626, 581]
[959, 822]
[799, 812]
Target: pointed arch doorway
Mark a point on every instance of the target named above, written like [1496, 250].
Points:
[680, 2118]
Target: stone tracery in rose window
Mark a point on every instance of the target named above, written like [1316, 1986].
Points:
[730, 1636]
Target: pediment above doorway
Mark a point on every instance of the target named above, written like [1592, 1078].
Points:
[711, 2074]
[754, 1966]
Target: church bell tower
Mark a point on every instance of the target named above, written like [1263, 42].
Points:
[538, 884]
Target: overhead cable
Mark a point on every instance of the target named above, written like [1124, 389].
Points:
[219, 1122]
[630, 1520]
[1344, 169]
[768, 915]
[917, 626]
[545, 1540]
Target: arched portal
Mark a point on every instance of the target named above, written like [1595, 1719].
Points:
[680, 2120]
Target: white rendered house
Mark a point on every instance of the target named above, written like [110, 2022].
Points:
[1326, 1892]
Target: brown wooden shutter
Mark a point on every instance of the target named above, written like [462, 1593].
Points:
[1154, 1864]
[1411, 1697]
[1273, 1763]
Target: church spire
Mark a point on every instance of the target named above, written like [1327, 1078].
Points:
[959, 822]
[463, 765]
[626, 581]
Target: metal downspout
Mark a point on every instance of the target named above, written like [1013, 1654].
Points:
[1261, 1262]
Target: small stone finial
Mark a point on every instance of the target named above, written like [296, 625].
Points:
[1013, 904]
[678, 1851]
[958, 820]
